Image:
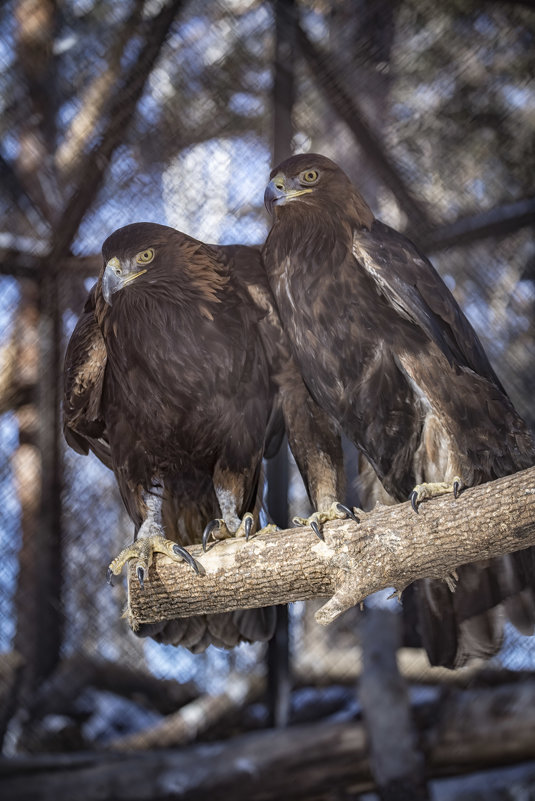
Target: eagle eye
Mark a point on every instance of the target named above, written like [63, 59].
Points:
[145, 257]
[309, 176]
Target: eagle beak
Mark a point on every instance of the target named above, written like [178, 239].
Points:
[278, 193]
[116, 278]
[112, 280]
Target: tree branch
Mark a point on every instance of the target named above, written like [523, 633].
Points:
[390, 547]
[58, 694]
[188, 723]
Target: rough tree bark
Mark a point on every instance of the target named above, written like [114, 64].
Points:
[389, 547]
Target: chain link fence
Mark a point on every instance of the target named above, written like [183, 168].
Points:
[121, 112]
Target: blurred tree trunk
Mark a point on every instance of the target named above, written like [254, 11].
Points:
[95, 98]
[37, 462]
[362, 34]
[395, 761]
[354, 79]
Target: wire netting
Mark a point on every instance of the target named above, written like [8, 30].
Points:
[445, 95]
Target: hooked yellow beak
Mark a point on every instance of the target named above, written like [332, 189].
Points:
[115, 277]
[278, 192]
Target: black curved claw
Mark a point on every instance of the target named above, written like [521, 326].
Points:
[347, 511]
[207, 531]
[248, 527]
[109, 577]
[414, 497]
[296, 523]
[316, 529]
[456, 488]
[140, 573]
[187, 557]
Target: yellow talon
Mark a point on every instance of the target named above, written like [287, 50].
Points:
[433, 489]
[143, 550]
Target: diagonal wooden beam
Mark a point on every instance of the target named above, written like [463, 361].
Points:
[122, 110]
[497, 222]
[346, 106]
[96, 97]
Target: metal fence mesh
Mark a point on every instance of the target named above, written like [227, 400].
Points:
[445, 95]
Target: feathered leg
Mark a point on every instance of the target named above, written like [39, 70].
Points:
[316, 446]
[150, 539]
[234, 493]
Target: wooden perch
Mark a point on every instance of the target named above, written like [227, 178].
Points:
[390, 547]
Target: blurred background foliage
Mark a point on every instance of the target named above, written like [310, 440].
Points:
[170, 111]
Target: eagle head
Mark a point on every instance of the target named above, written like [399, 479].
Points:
[315, 180]
[127, 254]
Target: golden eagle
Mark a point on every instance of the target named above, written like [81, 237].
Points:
[385, 349]
[179, 377]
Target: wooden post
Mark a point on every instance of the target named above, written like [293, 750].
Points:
[278, 658]
[37, 461]
[396, 763]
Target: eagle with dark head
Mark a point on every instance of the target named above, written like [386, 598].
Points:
[386, 351]
[178, 376]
